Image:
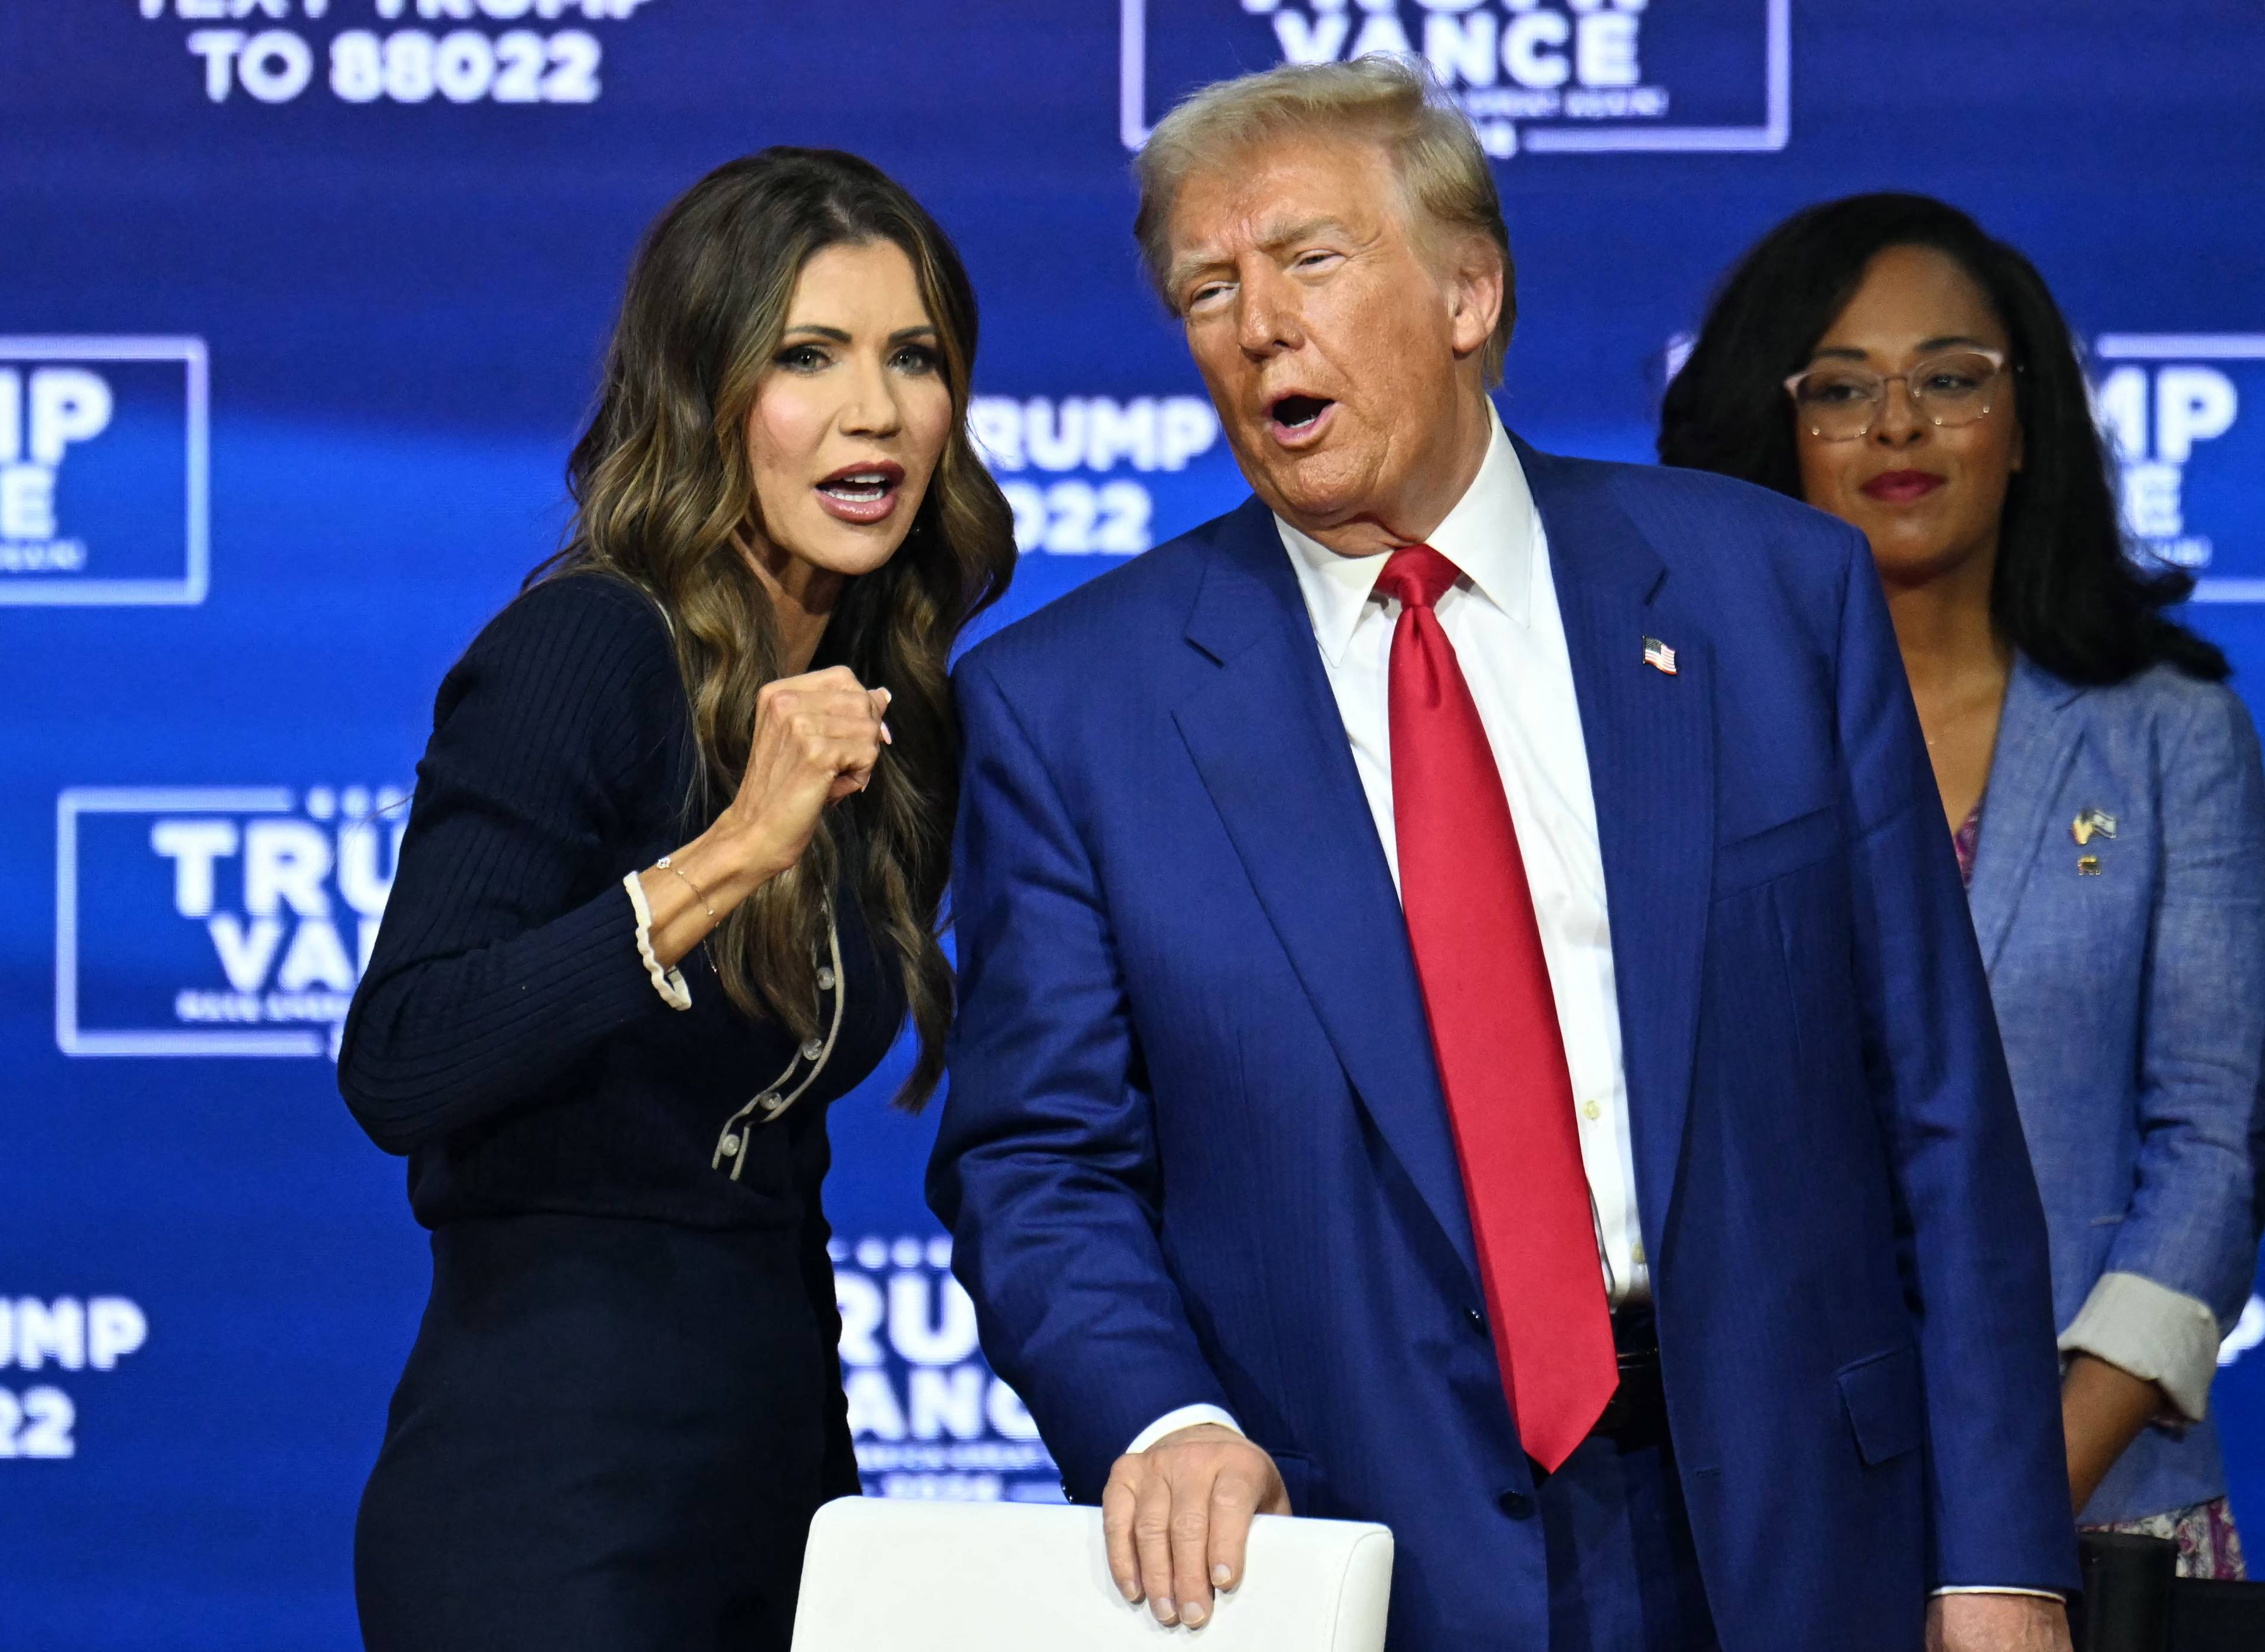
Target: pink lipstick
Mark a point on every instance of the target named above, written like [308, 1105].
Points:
[862, 493]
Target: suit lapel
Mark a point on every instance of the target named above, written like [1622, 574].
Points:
[1271, 747]
[1650, 742]
[2036, 742]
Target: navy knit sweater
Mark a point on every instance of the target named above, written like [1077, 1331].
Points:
[506, 1036]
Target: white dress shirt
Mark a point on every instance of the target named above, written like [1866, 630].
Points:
[1502, 619]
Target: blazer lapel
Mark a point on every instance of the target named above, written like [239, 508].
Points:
[1271, 747]
[1651, 741]
[2036, 742]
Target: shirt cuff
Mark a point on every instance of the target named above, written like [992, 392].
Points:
[2157, 1335]
[1993, 1588]
[669, 983]
[1186, 1418]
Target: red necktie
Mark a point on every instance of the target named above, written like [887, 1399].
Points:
[1495, 1031]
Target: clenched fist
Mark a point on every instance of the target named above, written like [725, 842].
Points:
[817, 739]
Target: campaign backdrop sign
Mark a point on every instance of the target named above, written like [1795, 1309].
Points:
[928, 1418]
[1562, 77]
[274, 897]
[102, 470]
[305, 303]
[2190, 469]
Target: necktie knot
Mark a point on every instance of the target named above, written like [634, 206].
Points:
[1417, 576]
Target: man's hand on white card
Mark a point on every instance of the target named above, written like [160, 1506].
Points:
[1178, 1514]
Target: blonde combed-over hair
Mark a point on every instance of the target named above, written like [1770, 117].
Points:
[1389, 101]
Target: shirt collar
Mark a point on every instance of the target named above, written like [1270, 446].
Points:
[1488, 536]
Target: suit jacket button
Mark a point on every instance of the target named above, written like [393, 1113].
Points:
[1517, 1506]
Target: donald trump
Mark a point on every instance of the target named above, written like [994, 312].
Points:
[1469, 1017]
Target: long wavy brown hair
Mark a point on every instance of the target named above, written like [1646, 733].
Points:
[665, 499]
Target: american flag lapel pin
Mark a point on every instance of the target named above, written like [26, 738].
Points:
[1658, 656]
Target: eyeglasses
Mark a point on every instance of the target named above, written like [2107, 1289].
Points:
[1840, 401]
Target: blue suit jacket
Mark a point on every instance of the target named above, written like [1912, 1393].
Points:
[1195, 1148]
[2132, 1002]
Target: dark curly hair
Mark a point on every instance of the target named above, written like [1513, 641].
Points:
[2065, 593]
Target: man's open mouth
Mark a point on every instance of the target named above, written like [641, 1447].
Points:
[1299, 412]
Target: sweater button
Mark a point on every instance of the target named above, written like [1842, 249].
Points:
[824, 980]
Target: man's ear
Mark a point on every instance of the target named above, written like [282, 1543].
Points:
[1474, 295]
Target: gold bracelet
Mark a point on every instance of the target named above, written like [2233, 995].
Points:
[698, 893]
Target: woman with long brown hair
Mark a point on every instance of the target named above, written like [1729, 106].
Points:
[671, 884]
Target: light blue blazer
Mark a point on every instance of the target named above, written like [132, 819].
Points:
[2131, 996]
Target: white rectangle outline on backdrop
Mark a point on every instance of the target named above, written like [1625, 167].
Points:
[69, 1037]
[189, 590]
[1774, 134]
[2192, 346]
[2179, 346]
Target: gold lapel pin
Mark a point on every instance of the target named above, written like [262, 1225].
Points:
[2088, 866]
[2090, 821]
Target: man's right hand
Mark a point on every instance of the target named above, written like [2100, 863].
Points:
[1178, 1514]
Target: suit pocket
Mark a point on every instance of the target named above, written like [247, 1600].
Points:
[1881, 1394]
[1771, 853]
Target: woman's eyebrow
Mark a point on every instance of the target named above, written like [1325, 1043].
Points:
[1849, 352]
[837, 335]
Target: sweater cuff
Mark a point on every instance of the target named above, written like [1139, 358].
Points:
[669, 983]
[2157, 1335]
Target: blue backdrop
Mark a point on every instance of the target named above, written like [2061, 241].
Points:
[302, 299]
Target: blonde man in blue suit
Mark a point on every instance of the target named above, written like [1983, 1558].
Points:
[1469, 1019]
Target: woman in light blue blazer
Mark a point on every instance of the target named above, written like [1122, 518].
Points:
[1885, 360]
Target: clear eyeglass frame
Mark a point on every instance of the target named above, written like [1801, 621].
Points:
[1945, 410]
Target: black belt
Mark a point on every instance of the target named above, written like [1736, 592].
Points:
[1636, 1414]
